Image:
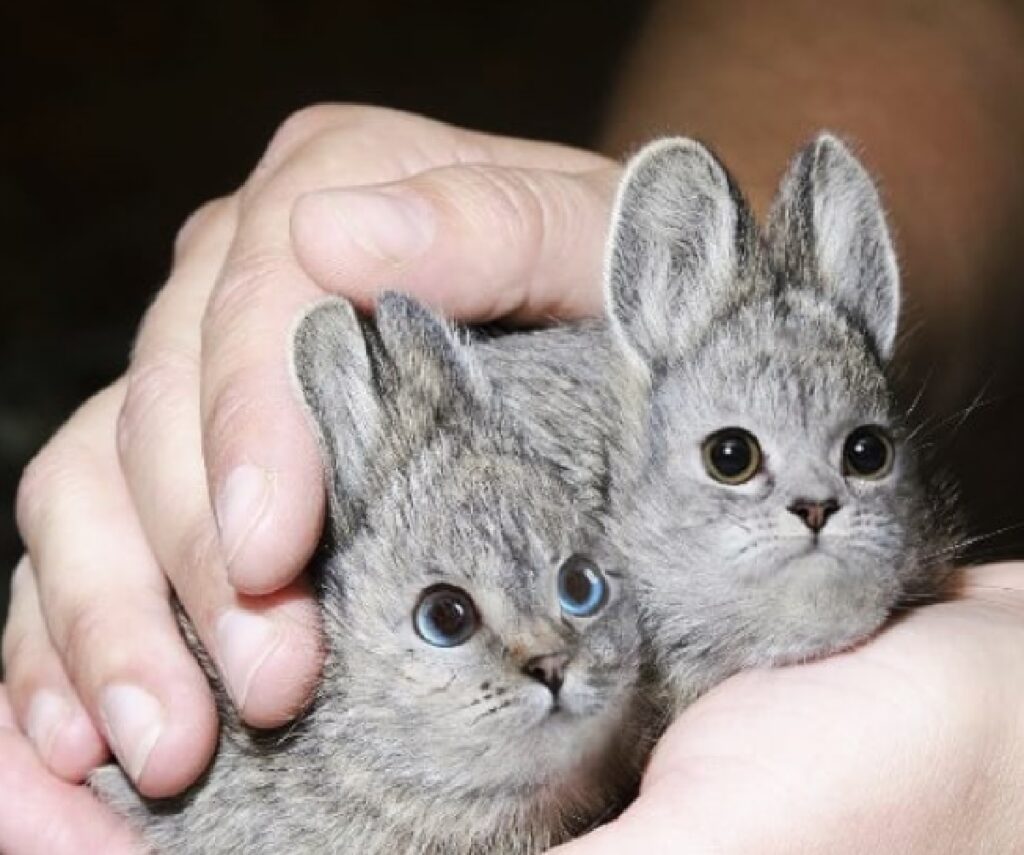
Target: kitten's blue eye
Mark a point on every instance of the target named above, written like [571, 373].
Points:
[582, 589]
[445, 616]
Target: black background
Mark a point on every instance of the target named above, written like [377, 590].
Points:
[119, 121]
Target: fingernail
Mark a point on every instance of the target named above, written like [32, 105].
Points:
[242, 502]
[47, 713]
[244, 641]
[133, 721]
[388, 226]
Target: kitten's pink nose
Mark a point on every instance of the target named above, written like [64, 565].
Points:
[548, 669]
[814, 513]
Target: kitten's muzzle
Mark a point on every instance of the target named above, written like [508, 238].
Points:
[814, 513]
[548, 669]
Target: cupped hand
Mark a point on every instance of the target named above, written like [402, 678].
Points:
[913, 743]
[198, 471]
[41, 814]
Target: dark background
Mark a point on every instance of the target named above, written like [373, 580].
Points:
[116, 124]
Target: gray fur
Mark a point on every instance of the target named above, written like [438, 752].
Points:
[785, 335]
[786, 332]
[410, 748]
[495, 458]
[827, 229]
[674, 247]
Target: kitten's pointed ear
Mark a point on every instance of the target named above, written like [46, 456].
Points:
[828, 222]
[335, 372]
[674, 247]
[431, 365]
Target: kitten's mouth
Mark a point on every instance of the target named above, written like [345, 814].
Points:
[560, 713]
[794, 549]
[814, 557]
[817, 564]
[815, 546]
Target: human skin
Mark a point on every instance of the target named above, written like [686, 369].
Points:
[118, 500]
[910, 744]
[91, 531]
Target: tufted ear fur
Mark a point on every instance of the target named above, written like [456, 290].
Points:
[674, 250]
[335, 366]
[378, 391]
[828, 229]
[431, 365]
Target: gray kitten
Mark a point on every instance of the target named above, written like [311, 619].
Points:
[731, 424]
[482, 687]
[734, 415]
[770, 503]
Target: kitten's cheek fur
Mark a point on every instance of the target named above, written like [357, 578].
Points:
[824, 605]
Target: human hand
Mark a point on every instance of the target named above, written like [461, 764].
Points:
[41, 814]
[199, 468]
[911, 744]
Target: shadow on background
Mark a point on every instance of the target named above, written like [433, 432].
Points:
[117, 124]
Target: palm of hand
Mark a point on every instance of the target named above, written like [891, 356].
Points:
[909, 744]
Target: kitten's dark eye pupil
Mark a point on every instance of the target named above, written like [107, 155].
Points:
[868, 452]
[582, 588]
[445, 616]
[732, 456]
[578, 585]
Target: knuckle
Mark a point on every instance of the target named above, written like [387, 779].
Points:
[378, 123]
[544, 215]
[206, 216]
[42, 479]
[236, 407]
[82, 634]
[516, 210]
[299, 135]
[305, 123]
[65, 465]
[162, 380]
[195, 562]
[245, 277]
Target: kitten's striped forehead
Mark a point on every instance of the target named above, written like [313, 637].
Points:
[489, 522]
[790, 360]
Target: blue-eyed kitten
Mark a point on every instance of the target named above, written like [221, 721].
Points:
[482, 688]
[771, 505]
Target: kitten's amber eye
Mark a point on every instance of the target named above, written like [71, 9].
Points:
[732, 456]
[868, 453]
[445, 616]
[582, 588]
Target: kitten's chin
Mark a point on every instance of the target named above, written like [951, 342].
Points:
[568, 747]
[826, 604]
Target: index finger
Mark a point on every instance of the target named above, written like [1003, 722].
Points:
[262, 460]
